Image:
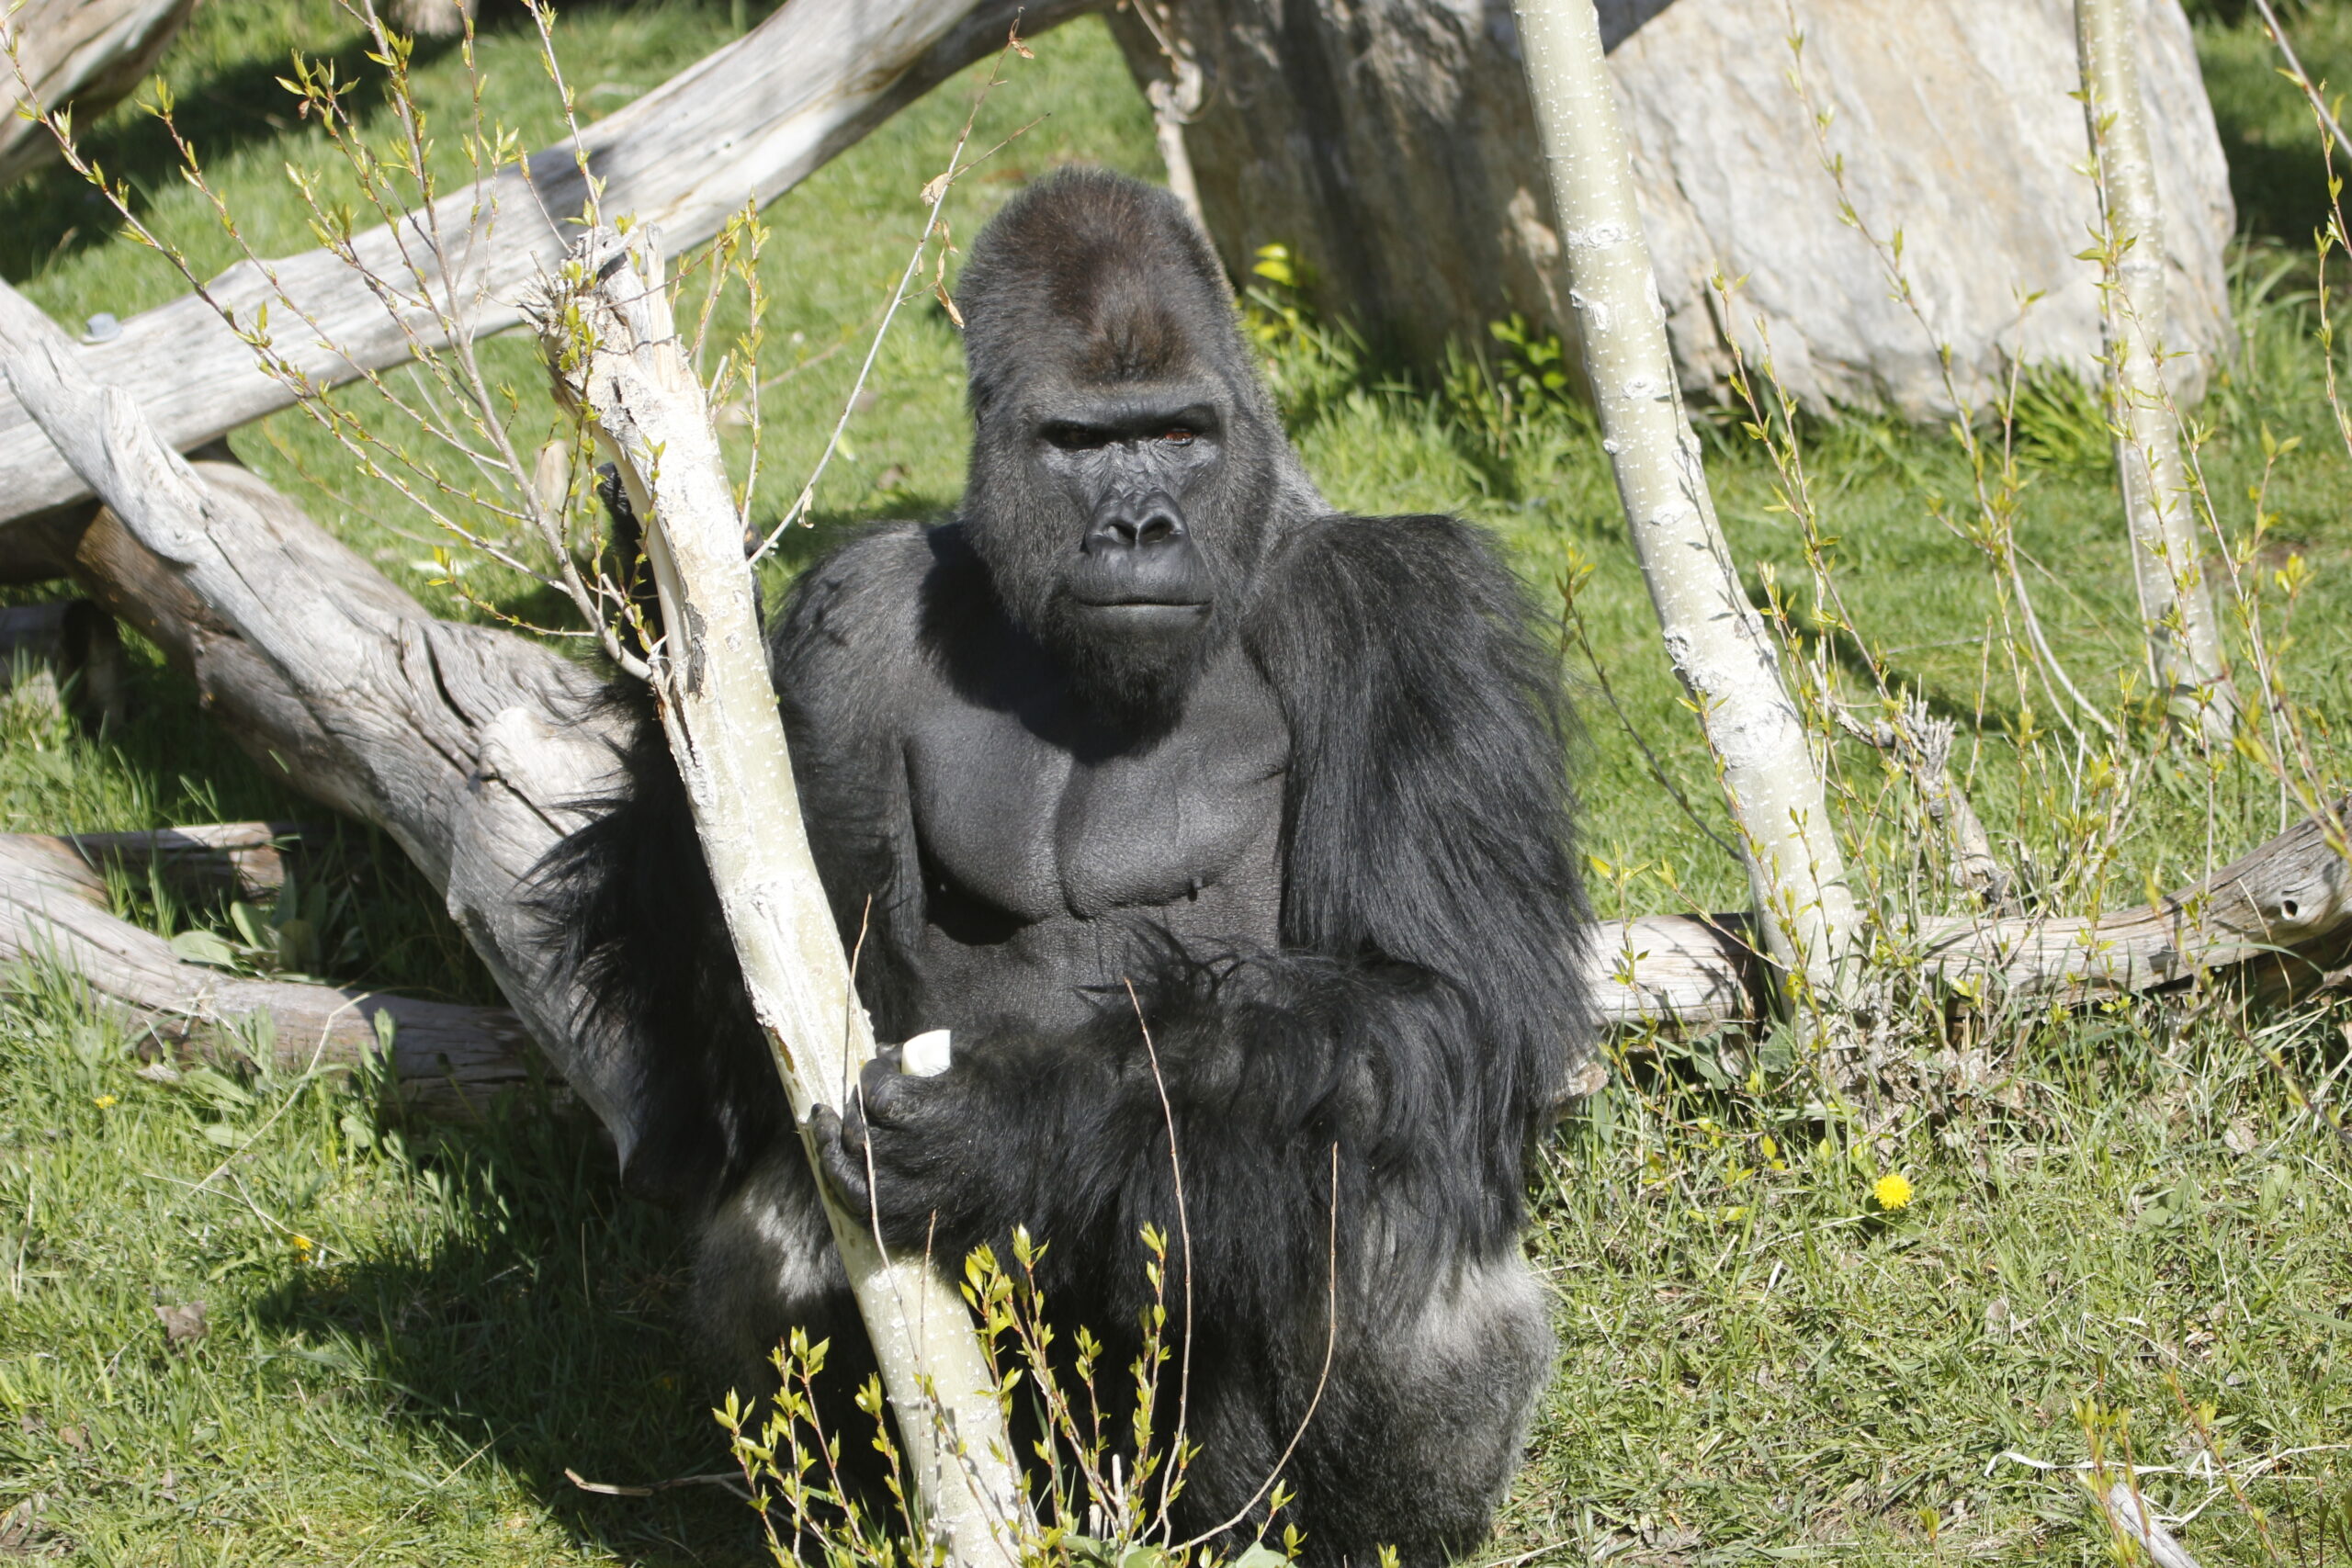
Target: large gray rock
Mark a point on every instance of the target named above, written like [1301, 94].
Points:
[1391, 143]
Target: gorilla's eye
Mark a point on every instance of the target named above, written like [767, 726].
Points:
[1076, 437]
[1178, 436]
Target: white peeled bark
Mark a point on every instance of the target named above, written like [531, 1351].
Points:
[614, 346]
[1717, 643]
[2184, 639]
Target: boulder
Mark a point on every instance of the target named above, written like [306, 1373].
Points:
[1391, 144]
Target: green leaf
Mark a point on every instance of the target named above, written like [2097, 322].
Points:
[249, 924]
[204, 947]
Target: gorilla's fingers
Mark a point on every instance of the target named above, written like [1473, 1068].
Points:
[883, 1092]
[843, 1164]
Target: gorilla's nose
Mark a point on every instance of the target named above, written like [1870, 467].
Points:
[1139, 552]
[1136, 526]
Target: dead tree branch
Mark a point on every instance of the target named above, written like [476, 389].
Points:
[246, 859]
[473, 749]
[447, 1059]
[87, 54]
[747, 123]
[614, 352]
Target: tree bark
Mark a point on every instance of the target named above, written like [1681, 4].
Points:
[2183, 637]
[614, 349]
[1393, 148]
[745, 124]
[1717, 643]
[84, 55]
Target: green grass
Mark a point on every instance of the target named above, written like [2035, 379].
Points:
[2129, 1227]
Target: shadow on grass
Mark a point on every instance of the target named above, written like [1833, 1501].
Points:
[541, 1325]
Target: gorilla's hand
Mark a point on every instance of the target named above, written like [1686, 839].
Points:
[883, 1153]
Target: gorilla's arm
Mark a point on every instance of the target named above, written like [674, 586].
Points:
[1417, 1021]
[630, 898]
[1429, 814]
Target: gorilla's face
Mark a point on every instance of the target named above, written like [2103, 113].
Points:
[1124, 457]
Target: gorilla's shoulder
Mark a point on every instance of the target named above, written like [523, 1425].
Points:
[866, 587]
[1338, 580]
[874, 605]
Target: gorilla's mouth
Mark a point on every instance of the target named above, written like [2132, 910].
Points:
[1146, 615]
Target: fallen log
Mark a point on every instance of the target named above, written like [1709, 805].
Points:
[473, 749]
[247, 860]
[83, 53]
[745, 124]
[2279, 916]
[448, 1059]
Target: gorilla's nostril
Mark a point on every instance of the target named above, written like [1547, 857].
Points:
[1157, 531]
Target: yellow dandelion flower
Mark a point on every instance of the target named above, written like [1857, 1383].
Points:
[1893, 1190]
[106, 1102]
[303, 1244]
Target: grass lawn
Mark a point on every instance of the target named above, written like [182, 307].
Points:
[2128, 1233]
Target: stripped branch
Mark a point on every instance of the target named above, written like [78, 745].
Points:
[614, 349]
[746, 123]
[448, 1059]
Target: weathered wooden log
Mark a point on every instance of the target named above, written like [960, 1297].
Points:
[745, 125]
[2277, 919]
[82, 54]
[474, 748]
[247, 860]
[446, 1058]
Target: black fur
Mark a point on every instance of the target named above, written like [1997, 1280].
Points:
[1146, 712]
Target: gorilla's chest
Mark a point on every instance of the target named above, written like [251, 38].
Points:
[1019, 828]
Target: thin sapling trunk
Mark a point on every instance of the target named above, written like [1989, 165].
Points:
[1718, 644]
[2184, 639]
[615, 350]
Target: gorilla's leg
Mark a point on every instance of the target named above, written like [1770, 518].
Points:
[764, 1266]
[1413, 1439]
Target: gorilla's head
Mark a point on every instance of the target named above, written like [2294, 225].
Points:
[1127, 470]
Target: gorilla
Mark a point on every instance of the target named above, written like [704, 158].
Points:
[1204, 816]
